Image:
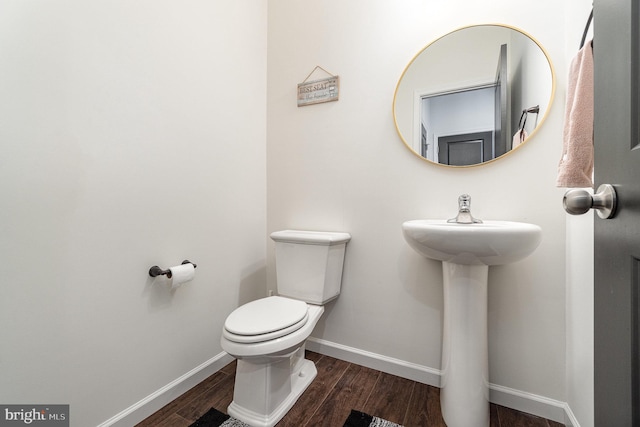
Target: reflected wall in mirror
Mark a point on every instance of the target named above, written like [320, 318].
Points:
[473, 95]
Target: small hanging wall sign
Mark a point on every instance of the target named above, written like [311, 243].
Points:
[318, 91]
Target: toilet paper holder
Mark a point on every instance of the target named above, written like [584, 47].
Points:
[157, 271]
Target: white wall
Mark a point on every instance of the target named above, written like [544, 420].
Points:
[580, 387]
[580, 280]
[341, 166]
[132, 134]
[126, 142]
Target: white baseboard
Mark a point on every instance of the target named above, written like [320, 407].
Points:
[515, 399]
[570, 419]
[376, 361]
[155, 401]
[530, 403]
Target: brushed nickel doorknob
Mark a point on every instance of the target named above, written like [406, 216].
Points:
[578, 202]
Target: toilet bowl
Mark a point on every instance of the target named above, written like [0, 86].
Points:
[267, 336]
[271, 374]
[291, 324]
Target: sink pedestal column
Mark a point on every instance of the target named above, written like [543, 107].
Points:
[464, 388]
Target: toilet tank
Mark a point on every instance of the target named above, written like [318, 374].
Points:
[309, 264]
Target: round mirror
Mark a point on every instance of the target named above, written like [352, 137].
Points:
[473, 95]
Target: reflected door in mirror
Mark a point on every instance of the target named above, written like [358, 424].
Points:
[464, 150]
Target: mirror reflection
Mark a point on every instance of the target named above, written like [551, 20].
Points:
[473, 95]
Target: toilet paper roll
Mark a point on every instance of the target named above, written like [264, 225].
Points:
[181, 274]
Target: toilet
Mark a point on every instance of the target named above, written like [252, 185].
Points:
[268, 335]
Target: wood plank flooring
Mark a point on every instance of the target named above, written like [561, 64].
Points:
[339, 387]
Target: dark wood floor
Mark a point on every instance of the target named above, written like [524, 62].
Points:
[339, 387]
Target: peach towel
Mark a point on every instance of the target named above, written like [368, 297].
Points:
[519, 138]
[576, 164]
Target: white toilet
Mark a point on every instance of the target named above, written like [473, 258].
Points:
[267, 336]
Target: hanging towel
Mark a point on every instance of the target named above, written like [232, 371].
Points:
[576, 164]
[519, 138]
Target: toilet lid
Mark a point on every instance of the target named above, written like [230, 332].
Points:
[265, 319]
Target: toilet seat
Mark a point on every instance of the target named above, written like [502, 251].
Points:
[265, 319]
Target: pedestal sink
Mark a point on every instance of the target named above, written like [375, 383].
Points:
[466, 252]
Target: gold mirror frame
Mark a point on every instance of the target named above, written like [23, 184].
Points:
[540, 120]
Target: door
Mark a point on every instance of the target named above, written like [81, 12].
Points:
[617, 240]
[501, 117]
[466, 149]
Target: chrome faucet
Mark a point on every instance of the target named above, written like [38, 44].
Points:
[464, 212]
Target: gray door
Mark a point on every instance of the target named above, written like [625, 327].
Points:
[617, 240]
[501, 117]
[465, 149]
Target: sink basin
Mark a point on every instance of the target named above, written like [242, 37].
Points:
[466, 252]
[489, 243]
